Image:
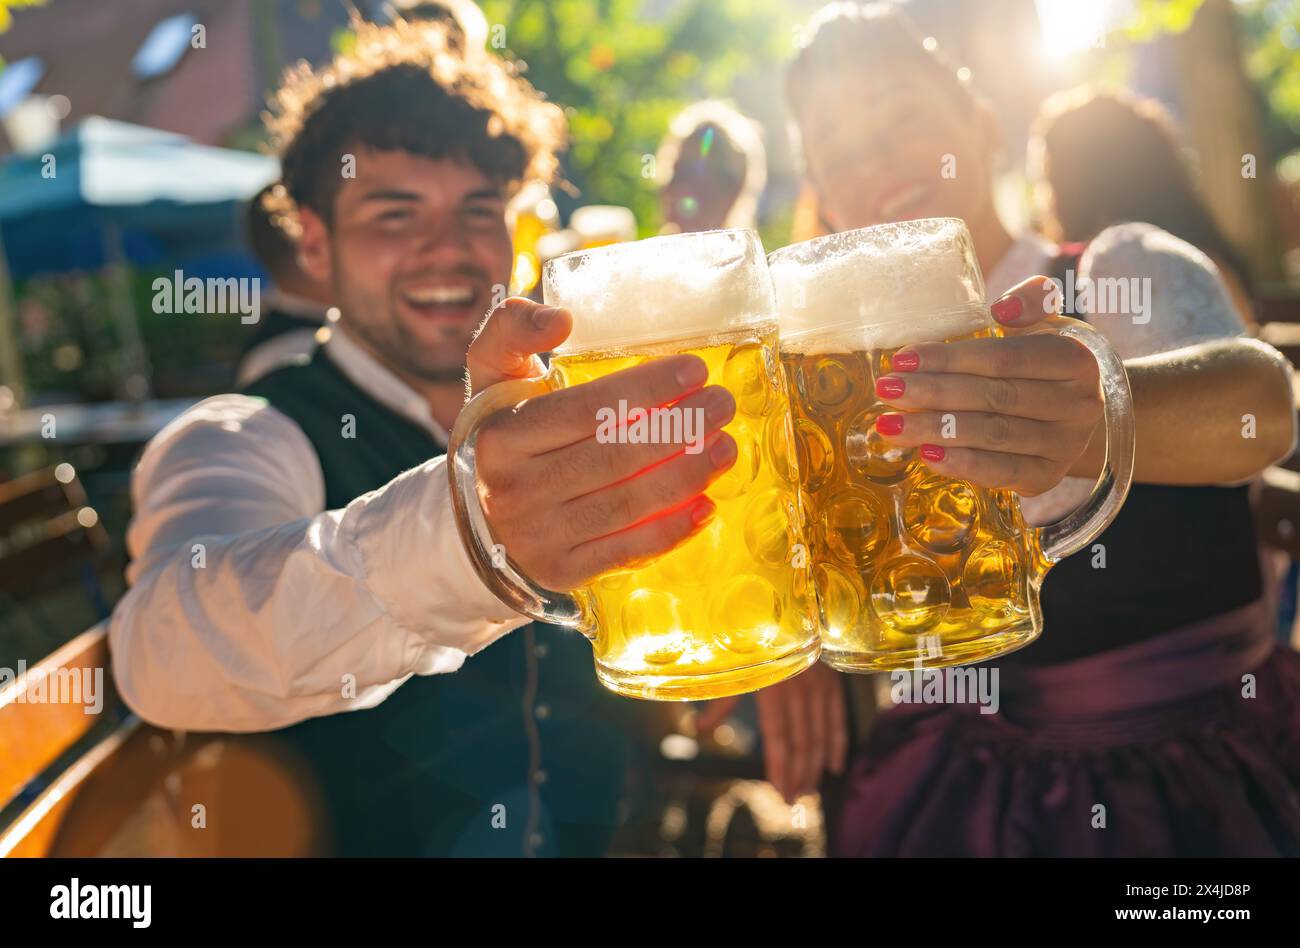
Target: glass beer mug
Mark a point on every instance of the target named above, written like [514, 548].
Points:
[732, 609]
[913, 569]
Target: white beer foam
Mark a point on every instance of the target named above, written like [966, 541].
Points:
[660, 289]
[916, 281]
[892, 335]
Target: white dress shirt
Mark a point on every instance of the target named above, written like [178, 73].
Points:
[251, 607]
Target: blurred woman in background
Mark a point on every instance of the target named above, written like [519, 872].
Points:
[1098, 158]
[1103, 158]
[1156, 691]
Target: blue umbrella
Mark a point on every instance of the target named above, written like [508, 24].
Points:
[108, 190]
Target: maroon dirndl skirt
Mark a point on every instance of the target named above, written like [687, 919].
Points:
[1160, 734]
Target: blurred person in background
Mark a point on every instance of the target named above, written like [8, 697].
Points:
[294, 311]
[713, 167]
[1133, 696]
[296, 567]
[1100, 158]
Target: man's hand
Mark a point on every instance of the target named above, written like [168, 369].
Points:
[1015, 412]
[565, 506]
[804, 725]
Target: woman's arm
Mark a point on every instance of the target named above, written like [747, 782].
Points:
[1212, 407]
[1218, 412]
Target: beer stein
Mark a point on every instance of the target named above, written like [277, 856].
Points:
[733, 608]
[914, 569]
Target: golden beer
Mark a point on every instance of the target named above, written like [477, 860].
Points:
[728, 608]
[912, 568]
[532, 216]
[732, 609]
[908, 564]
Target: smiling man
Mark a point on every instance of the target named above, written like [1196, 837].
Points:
[296, 566]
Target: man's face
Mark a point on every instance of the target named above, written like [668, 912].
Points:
[415, 250]
[908, 153]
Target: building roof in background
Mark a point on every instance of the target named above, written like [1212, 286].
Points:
[131, 60]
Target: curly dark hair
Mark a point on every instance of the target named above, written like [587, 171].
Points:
[408, 87]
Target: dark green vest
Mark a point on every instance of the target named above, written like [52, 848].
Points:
[446, 759]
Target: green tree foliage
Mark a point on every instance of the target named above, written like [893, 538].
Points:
[622, 74]
[1150, 18]
[1272, 28]
[1271, 42]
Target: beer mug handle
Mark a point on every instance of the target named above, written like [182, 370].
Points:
[1074, 532]
[491, 564]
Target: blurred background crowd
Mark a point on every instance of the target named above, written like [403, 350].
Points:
[131, 146]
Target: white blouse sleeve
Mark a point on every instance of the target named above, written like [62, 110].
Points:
[1147, 292]
[1152, 292]
[251, 607]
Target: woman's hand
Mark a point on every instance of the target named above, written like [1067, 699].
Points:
[1015, 412]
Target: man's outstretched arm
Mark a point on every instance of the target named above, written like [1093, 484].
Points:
[250, 609]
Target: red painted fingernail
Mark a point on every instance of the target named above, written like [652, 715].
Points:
[905, 362]
[1007, 309]
[890, 388]
[702, 511]
[890, 425]
[932, 452]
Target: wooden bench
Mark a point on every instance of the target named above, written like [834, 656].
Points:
[104, 783]
[46, 530]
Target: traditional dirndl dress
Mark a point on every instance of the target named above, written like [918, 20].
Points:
[1181, 745]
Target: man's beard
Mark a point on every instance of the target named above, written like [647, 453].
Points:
[397, 347]
[392, 342]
